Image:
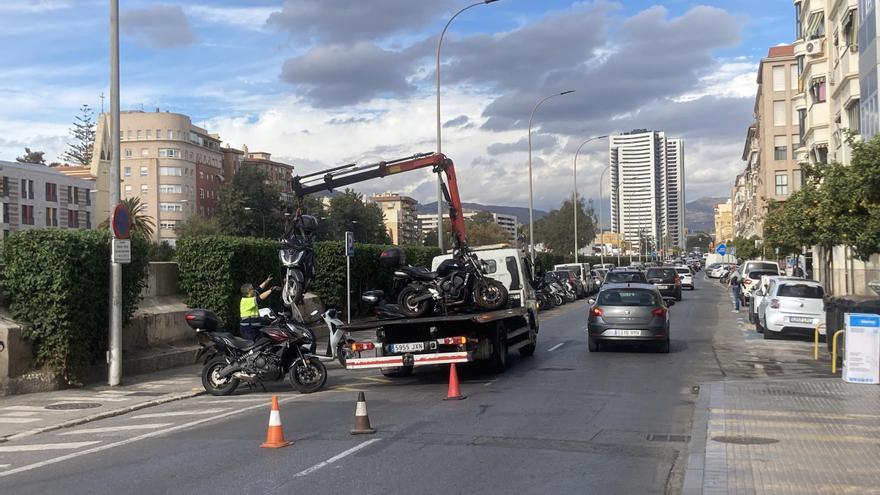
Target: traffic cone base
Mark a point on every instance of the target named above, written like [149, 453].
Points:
[275, 434]
[361, 418]
[454, 392]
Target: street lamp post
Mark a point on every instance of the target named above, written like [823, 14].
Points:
[439, 147]
[531, 198]
[262, 218]
[602, 252]
[576, 194]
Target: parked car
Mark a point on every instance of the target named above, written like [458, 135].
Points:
[748, 267]
[604, 266]
[757, 295]
[721, 270]
[711, 268]
[666, 280]
[750, 283]
[686, 275]
[625, 276]
[791, 305]
[628, 312]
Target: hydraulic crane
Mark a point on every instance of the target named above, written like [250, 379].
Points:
[353, 173]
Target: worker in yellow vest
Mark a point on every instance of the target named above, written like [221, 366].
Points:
[249, 307]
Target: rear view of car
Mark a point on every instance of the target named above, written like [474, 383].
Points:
[625, 276]
[792, 306]
[686, 276]
[667, 281]
[628, 312]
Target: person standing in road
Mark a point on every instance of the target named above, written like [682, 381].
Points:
[736, 288]
[249, 308]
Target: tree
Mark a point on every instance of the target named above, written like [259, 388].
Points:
[83, 133]
[349, 212]
[141, 223]
[250, 189]
[430, 238]
[35, 157]
[198, 226]
[746, 249]
[556, 229]
[699, 240]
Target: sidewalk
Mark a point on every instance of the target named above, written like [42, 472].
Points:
[814, 436]
[29, 414]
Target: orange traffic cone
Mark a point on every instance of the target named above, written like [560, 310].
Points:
[275, 434]
[361, 418]
[454, 393]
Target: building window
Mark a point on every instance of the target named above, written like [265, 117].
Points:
[169, 153]
[145, 152]
[145, 189]
[815, 27]
[51, 217]
[69, 194]
[168, 224]
[144, 171]
[128, 171]
[127, 190]
[158, 133]
[5, 212]
[795, 143]
[782, 183]
[779, 113]
[127, 153]
[73, 219]
[853, 116]
[797, 180]
[149, 134]
[170, 207]
[76, 195]
[27, 189]
[5, 187]
[793, 83]
[817, 90]
[802, 124]
[88, 195]
[27, 214]
[88, 220]
[138, 133]
[780, 148]
[171, 171]
[849, 29]
[821, 154]
[51, 192]
[128, 134]
[779, 78]
[202, 193]
[799, 27]
[170, 188]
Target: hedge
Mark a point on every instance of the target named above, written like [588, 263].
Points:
[213, 268]
[58, 282]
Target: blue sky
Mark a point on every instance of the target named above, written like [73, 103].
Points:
[319, 83]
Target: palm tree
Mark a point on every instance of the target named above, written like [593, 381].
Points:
[141, 223]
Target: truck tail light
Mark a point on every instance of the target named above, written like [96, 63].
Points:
[453, 341]
[362, 346]
[597, 312]
[774, 303]
[659, 312]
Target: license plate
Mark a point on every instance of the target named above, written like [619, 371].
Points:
[800, 319]
[622, 333]
[662, 286]
[411, 347]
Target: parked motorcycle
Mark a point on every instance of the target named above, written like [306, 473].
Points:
[281, 348]
[382, 309]
[458, 281]
[338, 339]
[298, 257]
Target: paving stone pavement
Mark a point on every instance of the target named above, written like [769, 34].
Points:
[779, 437]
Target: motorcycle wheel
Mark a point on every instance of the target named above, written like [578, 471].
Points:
[307, 378]
[410, 308]
[213, 384]
[292, 291]
[558, 300]
[490, 294]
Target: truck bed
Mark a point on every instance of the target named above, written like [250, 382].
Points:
[486, 317]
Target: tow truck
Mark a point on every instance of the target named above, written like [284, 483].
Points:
[406, 343]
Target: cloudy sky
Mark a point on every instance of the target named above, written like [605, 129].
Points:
[324, 82]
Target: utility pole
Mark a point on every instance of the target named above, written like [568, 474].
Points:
[114, 356]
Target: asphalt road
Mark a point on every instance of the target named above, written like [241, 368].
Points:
[563, 421]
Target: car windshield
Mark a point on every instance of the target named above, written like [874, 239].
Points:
[713, 266]
[661, 274]
[757, 274]
[806, 291]
[765, 266]
[625, 277]
[628, 297]
[683, 270]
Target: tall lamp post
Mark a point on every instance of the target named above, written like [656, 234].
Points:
[576, 193]
[602, 252]
[439, 147]
[531, 198]
[262, 217]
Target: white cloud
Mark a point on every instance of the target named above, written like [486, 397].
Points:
[33, 6]
[252, 18]
[731, 79]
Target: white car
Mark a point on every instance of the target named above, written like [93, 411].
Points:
[760, 289]
[720, 271]
[791, 305]
[686, 276]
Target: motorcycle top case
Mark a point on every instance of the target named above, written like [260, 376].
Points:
[202, 319]
[392, 257]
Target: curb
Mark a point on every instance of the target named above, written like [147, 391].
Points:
[104, 415]
[696, 462]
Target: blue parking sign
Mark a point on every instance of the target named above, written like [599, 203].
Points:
[349, 244]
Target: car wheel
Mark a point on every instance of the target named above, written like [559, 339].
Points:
[592, 345]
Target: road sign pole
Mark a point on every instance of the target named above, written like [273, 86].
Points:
[114, 355]
[349, 252]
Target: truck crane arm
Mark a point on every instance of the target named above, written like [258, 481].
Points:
[327, 180]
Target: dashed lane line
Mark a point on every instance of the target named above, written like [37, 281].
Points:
[46, 446]
[557, 346]
[110, 429]
[190, 412]
[335, 458]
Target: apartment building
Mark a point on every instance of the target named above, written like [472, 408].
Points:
[36, 196]
[724, 221]
[510, 223]
[869, 63]
[399, 213]
[173, 166]
[647, 188]
[746, 202]
[277, 173]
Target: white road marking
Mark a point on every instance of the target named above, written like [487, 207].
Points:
[46, 446]
[8, 420]
[237, 399]
[152, 434]
[22, 408]
[191, 412]
[557, 346]
[109, 429]
[92, 398]
[18, 414]
[4, 466]
[488, 383]
[335, 458]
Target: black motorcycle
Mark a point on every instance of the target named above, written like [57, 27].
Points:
[281, 348]
[458, 281]
[298, 258]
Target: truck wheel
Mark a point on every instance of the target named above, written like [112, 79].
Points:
[529, 350]
[399, 372]
[498, 361]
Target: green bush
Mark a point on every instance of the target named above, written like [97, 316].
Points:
[58, 282]
[161, 252]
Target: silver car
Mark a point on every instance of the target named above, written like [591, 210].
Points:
[628, 312]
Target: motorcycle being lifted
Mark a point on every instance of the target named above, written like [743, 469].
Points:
[282, 348]
[298, 258]
[458, 281]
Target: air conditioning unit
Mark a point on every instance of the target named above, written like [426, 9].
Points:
[814, 47]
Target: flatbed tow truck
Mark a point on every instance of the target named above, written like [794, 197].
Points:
[403, 344]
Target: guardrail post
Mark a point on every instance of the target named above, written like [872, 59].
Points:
[834, 351]
[816, 341]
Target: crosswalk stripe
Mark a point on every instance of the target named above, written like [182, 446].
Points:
[18, 414]
[10, 420]
[109, 429]
[46, 446]
[192, 412]
[22, 408]
[4, 466]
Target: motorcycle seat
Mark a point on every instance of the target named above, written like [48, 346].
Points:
[237, 342]
[419, 273]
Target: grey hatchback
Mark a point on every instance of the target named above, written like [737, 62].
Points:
[628, 312]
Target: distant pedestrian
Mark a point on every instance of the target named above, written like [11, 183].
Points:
[736, 288]
[249, 308]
